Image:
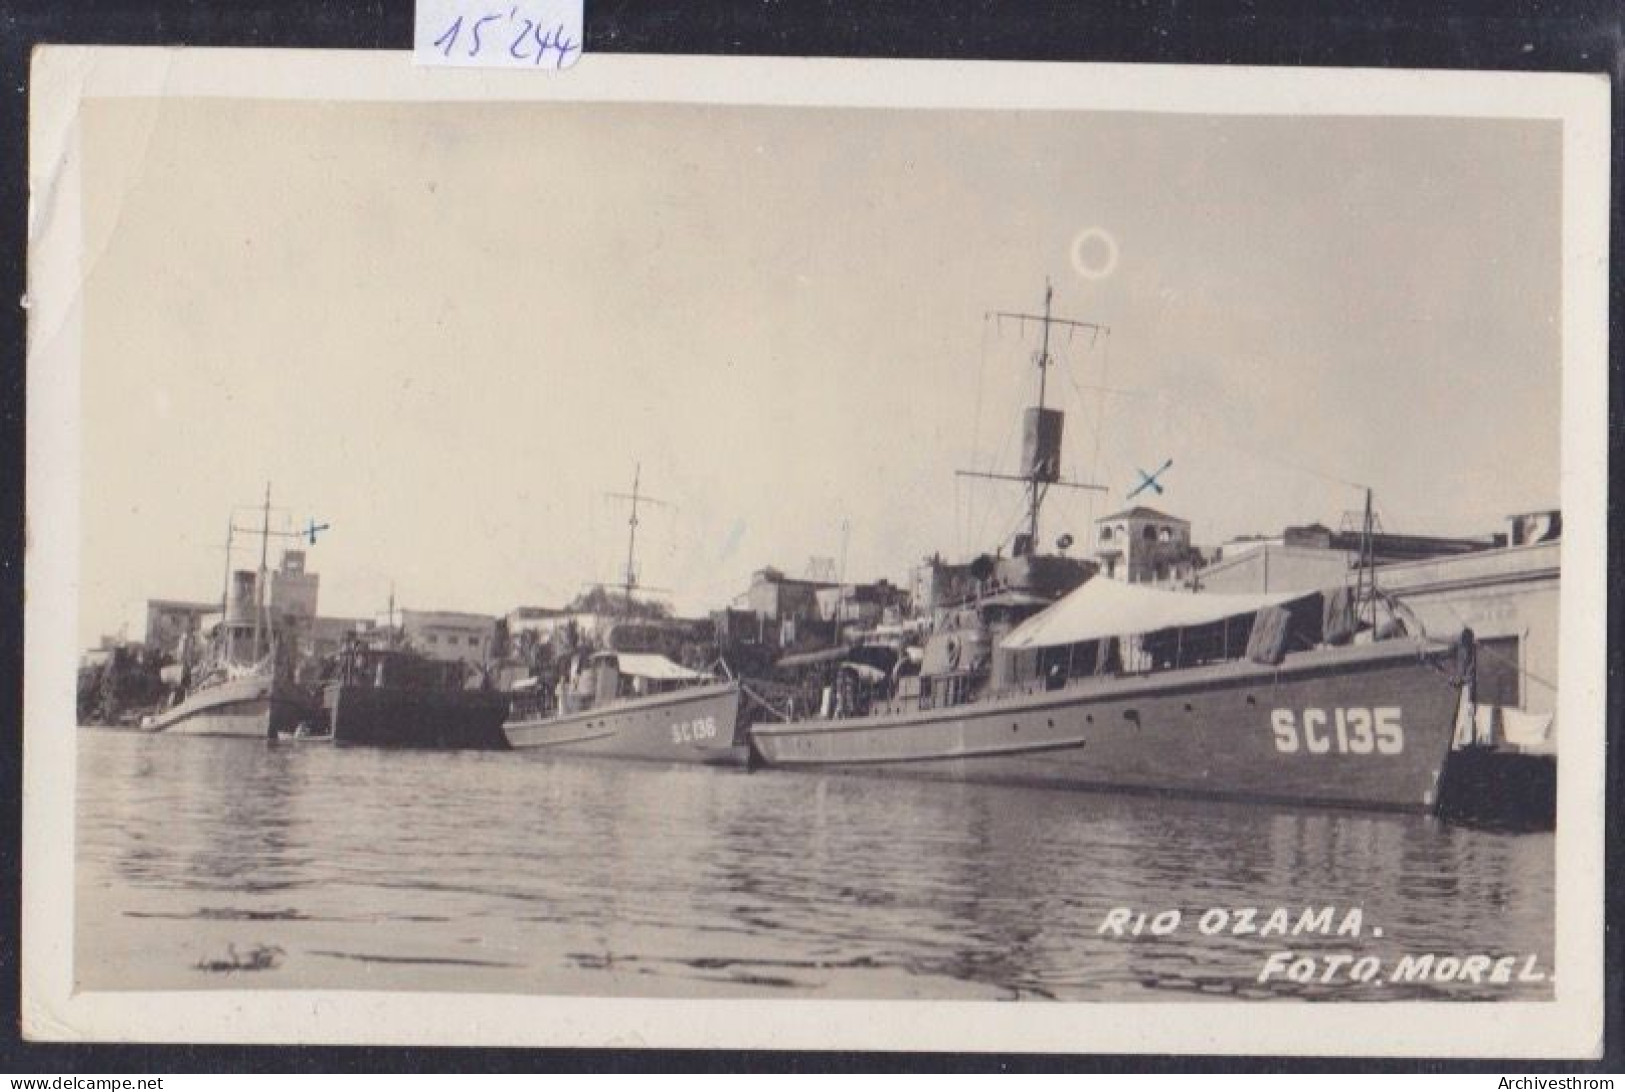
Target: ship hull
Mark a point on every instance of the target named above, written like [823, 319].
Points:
[695, 725]
[403, 717]
[253, 707]
[1366, 727]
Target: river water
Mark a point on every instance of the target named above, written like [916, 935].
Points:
[223, 863]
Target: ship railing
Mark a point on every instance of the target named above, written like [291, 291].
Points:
[765, 705]
[948, 690]
[535, 700]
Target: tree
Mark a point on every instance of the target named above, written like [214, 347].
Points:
[600, 600]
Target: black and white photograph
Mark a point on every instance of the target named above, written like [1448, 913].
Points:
[852, 554]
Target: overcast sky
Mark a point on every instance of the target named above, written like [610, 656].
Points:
[450, 329]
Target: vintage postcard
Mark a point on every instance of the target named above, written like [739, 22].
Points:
[815, 554]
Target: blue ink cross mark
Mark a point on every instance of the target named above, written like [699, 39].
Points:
[1149, 481]
[312, 528]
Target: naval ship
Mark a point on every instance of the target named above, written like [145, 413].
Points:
[1112, 686]
[630, 700]
[241, 685]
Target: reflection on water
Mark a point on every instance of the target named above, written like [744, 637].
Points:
[495, 872]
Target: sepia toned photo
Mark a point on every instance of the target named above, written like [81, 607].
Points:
[815, 554]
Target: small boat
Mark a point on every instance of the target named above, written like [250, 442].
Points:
[313, 729]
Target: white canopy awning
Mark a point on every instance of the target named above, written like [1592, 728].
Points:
[1109, 608]
[651, 665]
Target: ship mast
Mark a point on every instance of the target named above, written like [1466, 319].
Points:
[223, 631]
[264, 632]
[1366, 595]
[1368, 562]
[259, 582]
[635, 498]
[1037, 500]
[1043, 462]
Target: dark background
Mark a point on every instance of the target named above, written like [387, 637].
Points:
[1517, 36]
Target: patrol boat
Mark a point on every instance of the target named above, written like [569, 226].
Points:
[1123, 687]
[1359, 725]
[632, 705]
[630, 700]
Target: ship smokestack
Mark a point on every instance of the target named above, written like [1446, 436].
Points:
[1041, 443]
[240, 603]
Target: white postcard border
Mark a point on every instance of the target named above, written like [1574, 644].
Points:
[64, 77]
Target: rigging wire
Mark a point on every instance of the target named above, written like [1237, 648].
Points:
[1188, 407]
[1100, 414]
[977, 529]
[988, 512]
[1481, 648]
[1523, 672]
[1079, 412]
[976, 430]
[1015, 521]
[1174, 404]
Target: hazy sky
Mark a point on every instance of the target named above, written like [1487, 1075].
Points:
[450, 329]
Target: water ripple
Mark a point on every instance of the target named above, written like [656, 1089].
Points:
[688, 880]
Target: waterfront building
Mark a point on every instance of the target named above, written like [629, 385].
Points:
[525, 627]
[290, 599]
[786, 608]
[326, 636]
[446, 635]
[776, 597]
[170, 619]
[1510, 592]
[862, 605]
[1141, 545]
[1314, 556]
[541, 621]
[1264, 565]
[292, 592]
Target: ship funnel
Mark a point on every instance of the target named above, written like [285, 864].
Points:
[1041, 443]
[240, 602]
